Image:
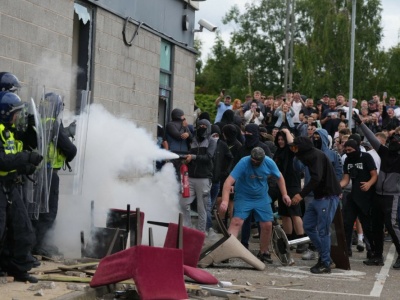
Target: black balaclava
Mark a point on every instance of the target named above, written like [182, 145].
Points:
[202, 133]
[253, 139]
[317, 143]
[228, 117]
[355, 154]
[204, 115]
[304, 145]
[229, 133]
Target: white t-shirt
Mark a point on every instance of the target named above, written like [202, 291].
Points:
[346, 110]
[297, 106]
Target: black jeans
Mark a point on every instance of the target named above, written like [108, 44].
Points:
[384, 212]
[351, 210]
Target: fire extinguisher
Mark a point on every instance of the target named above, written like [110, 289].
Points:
[185, 181]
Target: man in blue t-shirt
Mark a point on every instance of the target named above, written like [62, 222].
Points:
[222, 106]
[251, 195]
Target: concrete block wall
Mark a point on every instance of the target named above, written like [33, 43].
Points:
[127, 78]
[36, 44]
[184, 81]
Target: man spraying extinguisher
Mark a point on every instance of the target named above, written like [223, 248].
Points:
[200, 170]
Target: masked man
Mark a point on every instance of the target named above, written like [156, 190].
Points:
[386, 198]
[321, 210]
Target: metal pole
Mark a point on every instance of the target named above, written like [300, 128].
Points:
[287, 45]
[292, 25]
[353, 35]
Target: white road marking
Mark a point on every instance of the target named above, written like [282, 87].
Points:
[338, 274]
[322, 292]
[381, 277]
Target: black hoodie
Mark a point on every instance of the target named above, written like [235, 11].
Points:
[251, 141]
[323, 178]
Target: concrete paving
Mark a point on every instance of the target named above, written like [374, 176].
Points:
[275, 282]
[296, 282]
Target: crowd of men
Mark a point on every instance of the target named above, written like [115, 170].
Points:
[249, 163]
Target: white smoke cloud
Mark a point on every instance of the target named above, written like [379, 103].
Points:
[114, 148]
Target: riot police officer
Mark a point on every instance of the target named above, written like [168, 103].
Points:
[16, 230]
[60, 150]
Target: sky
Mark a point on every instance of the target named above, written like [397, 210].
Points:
[214, 10]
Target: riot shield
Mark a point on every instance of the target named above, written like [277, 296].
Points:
[50, 118]
[73, 178]
[33, 186]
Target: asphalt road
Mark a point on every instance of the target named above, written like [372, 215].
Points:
[296, 282]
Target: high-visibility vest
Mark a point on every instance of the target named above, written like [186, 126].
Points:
[10, 145]
[55, 159]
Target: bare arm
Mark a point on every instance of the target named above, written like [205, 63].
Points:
[218, 100]
[226, 190]
[289, 136]
[282, 188]
[345, 180]
[365, 186]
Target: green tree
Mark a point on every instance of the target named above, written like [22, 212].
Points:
[322, 47]
[259, 40]
[223, 70]
[392, 78]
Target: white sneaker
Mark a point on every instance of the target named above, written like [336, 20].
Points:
[360, 246]
[212, 235]
[309, 255]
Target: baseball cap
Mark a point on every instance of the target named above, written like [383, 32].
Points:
[257, 154]
[227, 96]
[372, 101]
[325, 95]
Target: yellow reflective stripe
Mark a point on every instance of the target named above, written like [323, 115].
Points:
[10, 145]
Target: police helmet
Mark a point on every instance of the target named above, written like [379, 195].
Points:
[9, 82]
[55, 104]
[10, 103]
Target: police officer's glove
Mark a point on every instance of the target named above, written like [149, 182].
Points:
[35, 158]
[356, 118]
[31, 120]
[27, 169]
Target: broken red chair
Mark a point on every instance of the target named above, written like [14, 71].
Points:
[228, 247]
[157, 272]
[192, 243]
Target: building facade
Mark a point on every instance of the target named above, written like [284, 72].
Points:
[136, 57]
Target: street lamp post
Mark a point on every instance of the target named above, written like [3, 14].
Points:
[353, 35]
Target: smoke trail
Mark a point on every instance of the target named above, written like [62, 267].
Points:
[116, 149]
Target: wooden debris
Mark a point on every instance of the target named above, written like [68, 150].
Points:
[78, 266]
[63, 278]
